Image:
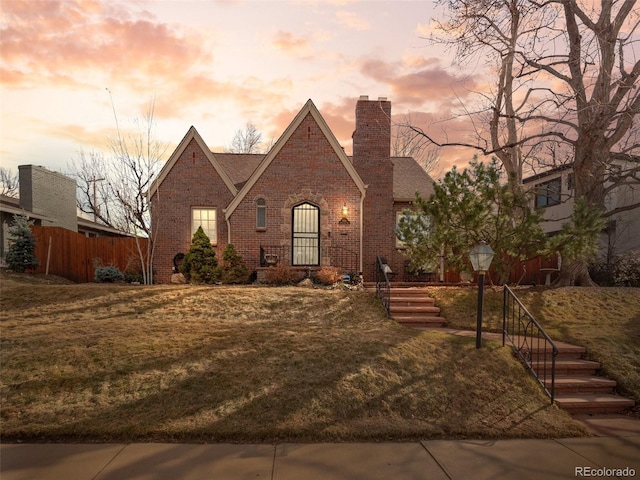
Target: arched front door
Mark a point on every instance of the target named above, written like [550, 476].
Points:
[306, 234]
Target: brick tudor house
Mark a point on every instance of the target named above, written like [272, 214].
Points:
[305, 203]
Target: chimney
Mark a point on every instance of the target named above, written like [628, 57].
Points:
[372, 137]
[50, 194]
[372, 160]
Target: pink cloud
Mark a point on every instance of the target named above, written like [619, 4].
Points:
[352, 20]
[417, 87]
[62, 43]
[290, 43]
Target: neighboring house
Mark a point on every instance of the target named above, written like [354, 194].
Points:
[555, 195]
[49, 199]
[304, 204]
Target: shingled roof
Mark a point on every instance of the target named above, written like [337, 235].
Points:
[239, 166]
[408, 178]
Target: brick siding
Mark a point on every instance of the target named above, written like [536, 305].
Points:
[192, 182]
[371, 158]
[306, 169]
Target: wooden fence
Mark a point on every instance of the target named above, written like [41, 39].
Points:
[74, 256]
[528, 272]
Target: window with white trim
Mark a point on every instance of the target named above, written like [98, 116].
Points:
[205, 217]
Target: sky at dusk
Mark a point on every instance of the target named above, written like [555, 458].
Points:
[66, 65]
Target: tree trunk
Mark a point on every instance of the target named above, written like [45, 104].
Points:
[574, 273]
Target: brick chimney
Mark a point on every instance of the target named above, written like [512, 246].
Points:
[372, 160]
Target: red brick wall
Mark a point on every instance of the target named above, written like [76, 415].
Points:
[371, 157]
[306, 169]
[191, 182]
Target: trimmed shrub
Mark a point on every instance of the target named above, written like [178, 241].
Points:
[328, 276]
[623, 272]
[627, 270]
[108, 274]
[200, 264]
[233, 268]
[22, 245]
[281, 275]
[133, 271]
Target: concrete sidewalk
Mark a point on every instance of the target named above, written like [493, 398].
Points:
[433, 459]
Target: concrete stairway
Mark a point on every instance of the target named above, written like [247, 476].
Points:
[578, 389]
[413, 307]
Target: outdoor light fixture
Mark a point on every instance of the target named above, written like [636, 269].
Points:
[481, 256]
[345, 210]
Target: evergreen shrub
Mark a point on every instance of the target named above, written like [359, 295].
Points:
[22, 245]
[200, 264]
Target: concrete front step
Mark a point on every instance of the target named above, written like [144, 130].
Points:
[413, 307]
[403, 309]
[567, 384]
[593, 403]
[543, 349]
[412, 300]
[566, 367]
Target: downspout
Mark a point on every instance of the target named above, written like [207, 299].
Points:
[226, 219]
[364, 194]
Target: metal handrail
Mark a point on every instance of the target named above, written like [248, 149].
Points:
[329, 255]
[530, 342]
[383, 285]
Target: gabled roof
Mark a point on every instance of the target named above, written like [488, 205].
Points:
[239, 166]
[192, 134]
[309, 108]
[408, 178]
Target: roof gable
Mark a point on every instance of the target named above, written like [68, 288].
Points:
[308, 109]
[192, 134]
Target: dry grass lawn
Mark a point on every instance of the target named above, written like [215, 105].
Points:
[247, 364]
[604, 320]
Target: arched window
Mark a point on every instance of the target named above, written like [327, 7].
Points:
[261, 213]
[306, 234]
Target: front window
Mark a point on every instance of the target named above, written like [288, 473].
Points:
[206, 218]
[548, 193]
[306, 235]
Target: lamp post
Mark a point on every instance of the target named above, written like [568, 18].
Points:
[481, 256]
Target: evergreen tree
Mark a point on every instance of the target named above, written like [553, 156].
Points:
[469, 207]
[21, 254]
[577, 241]
[200, 264]
[233, 268]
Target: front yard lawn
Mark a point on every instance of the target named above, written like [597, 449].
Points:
[604, 320]
[248, 364]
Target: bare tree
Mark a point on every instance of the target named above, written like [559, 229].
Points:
[248, 140]
[567, 80]
[406, 142]
[114, 187]
[9, 182]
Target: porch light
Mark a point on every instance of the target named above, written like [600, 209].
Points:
[481, 256]
[345, 210]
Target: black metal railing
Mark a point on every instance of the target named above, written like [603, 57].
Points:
[530, 342]
[383, 285]
[330, 255]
